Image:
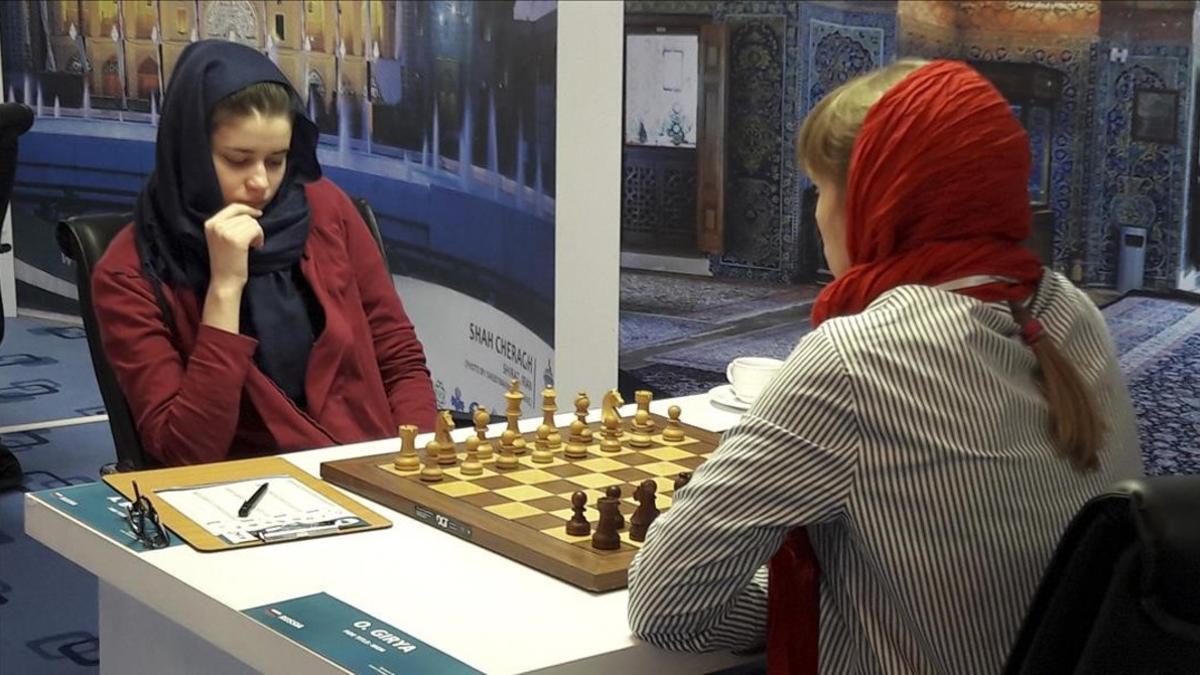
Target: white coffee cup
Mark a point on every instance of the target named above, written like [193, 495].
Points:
[749, 375]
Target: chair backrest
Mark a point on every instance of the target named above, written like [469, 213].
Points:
[1122, 592]
[368, 216]
[15, 119]
[84, 239]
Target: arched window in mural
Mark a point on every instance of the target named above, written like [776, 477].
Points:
[232, 20]
[147, 78]
[110, 78]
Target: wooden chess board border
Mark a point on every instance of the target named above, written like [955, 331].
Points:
[582, 566]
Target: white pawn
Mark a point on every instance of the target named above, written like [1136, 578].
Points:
[575, 449]
[507, 460]
[541, 448]
[673, 433]
[471, 465]
[431, 472]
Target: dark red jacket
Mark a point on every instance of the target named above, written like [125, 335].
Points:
[195, 391]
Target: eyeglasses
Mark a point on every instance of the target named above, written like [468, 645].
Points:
[141, 513]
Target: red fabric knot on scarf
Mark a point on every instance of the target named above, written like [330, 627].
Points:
[1032, 331]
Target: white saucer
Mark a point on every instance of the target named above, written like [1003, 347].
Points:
[723, 395]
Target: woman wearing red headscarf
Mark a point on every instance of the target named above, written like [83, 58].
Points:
[926, 444]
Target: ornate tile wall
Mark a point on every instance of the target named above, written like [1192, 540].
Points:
[769, 94]
[1135, 183]
[787, 55]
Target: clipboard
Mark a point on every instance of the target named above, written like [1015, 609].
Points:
[151, 481]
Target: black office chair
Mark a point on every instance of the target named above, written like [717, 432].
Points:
[1122, 592]
[15, 119]
[84, 239]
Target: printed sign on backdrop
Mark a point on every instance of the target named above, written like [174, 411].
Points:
[462, 180]
[474, 351]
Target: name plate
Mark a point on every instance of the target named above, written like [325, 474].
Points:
[352, 638]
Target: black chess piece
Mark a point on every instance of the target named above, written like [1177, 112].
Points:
[578, 525]
[682, 479]
[606, 537]
[613, 492]
[646, 511]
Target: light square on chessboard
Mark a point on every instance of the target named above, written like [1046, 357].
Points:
[531, 476]
[457, 488]
[663, 468]
[595, 480]
[512, 510]
[523, 493]
[665, 485]
[601, 464]
[668, 453]
[559, 531]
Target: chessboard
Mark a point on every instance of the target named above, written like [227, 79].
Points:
[521, 513]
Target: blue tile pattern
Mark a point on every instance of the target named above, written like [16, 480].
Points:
[1137, 183]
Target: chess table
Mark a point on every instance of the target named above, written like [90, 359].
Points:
[522, 513]
[180, 611]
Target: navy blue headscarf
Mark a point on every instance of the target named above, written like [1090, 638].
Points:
[183, 192]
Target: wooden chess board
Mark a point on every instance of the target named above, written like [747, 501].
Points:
[522, 513]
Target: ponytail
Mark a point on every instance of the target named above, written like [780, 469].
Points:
[1074, 414]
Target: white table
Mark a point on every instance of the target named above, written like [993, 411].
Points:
[177, 610]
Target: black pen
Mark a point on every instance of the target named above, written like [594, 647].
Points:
[253, 501]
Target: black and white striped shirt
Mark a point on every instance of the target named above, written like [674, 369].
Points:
[913, 442]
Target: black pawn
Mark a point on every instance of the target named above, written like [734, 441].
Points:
[578, 525]
[646, 511]
[682, 479]
[613, 492]
[606, 537]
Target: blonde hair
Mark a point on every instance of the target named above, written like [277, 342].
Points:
[826, 139]
[824, 146]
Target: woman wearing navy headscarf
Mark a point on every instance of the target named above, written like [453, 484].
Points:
[247, 310]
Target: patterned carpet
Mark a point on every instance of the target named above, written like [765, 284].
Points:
[1158, 341]
[40, 376]
[48, 620]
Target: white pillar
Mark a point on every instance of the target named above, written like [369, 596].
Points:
[588, 209]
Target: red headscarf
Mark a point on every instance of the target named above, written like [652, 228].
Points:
[937, 191]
